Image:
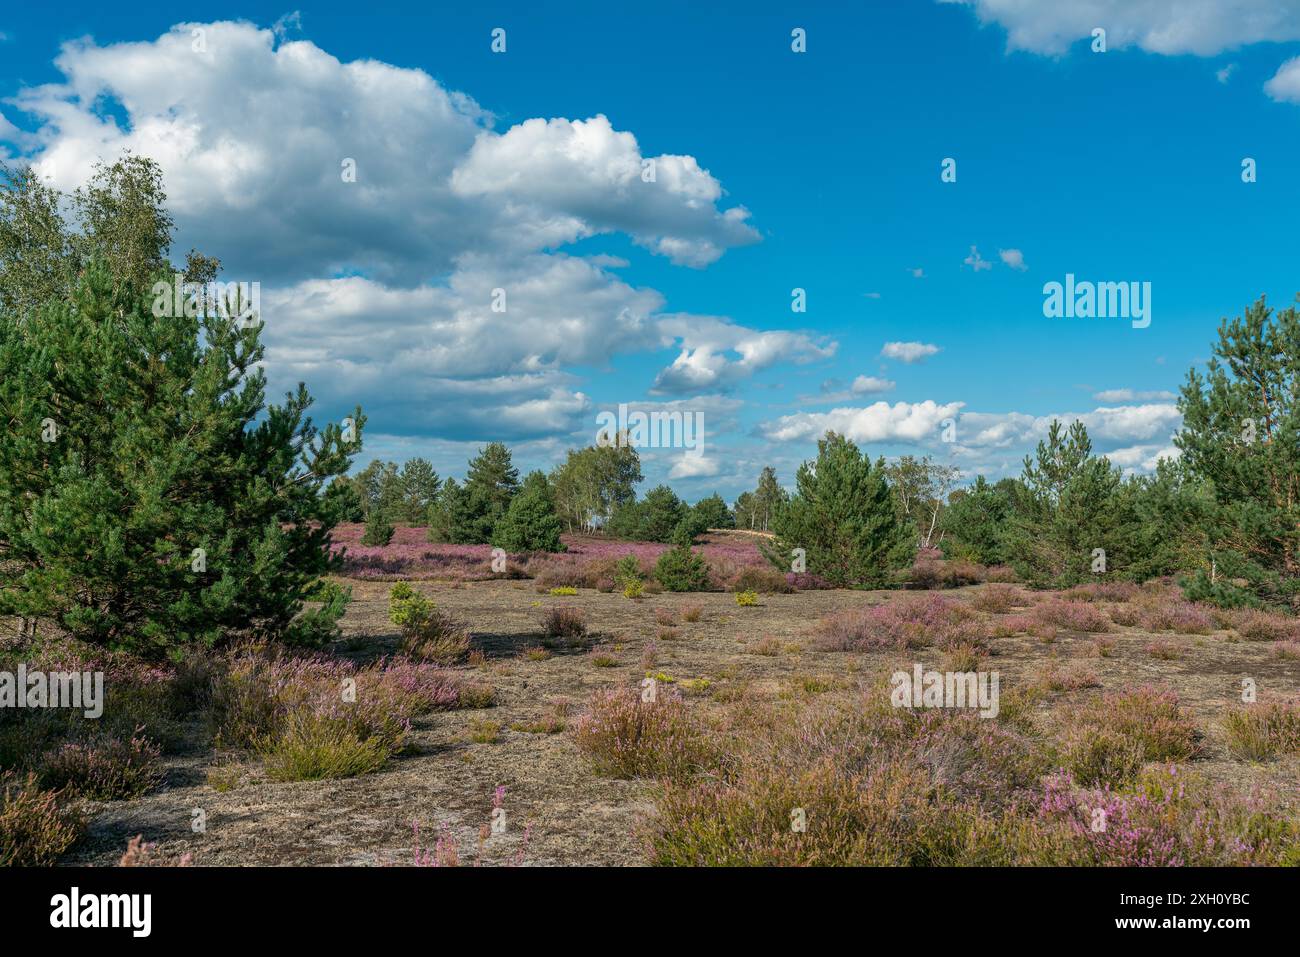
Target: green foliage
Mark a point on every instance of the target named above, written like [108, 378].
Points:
[450, 519]
[627, 570]
[1241, 435]
[920, 488]
[148, 495]
[655, 518]
[975, 523]
[490, 484]
[1073, 504]
[379, 531]
[712, 512]
[417, 488]
[680, 569]
[593, 483]
[843, 515]
[530, 523]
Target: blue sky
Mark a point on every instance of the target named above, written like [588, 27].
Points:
[776, 170]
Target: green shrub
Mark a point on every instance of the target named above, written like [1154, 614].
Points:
[680, 569]
[1261, 732]
[312, 747]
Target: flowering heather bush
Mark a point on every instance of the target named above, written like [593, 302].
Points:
[625, 737]
[292, 709]
[1287, 650]
[1072, 677]
[1262, 731]
[36, 826]
[998, 599]
[1182, 617]
[564, 621]
[912, 622]
[692, 613]
[1167, 820]
[878, 786]
[1022, 624]
[409, 555]
[1261, 625]
[1110, 739]
[1072, 616]
[664, 616]
[1124, 614]
[1000, 573]
[960, 658]
[103, 768]
[1103, 591]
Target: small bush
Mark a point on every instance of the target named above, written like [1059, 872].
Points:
[1163, 650]
[997, 599]
[428, 634]
[1182, 617]
[1072, 616]
[103, 768]
[912, 622]
[625, 737]
[36, 826]
[769, 647]
[564, 590]
[1262, 731]
[564, 621]
[746, 599]
[312, 746]
[755, 578]
[1110, 739]
[634, 589]
[680, 569]
[692, 613]
[1254, 625]
[1073, 677]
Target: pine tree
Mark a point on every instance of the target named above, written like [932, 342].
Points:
[491, 482]
[974, 523]
[530, 523]
[148, 495]
[1241, 436]
[1073, 521]
[450, 519]
[419, 488]
[844, 517]
[713, 512]
[379, 530]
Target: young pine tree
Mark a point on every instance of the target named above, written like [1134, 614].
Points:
[530, 523]
[491, 482]
[148, 494]
[844, 517]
